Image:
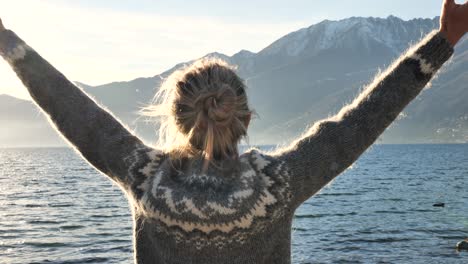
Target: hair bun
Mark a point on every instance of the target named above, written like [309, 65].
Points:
[219, 106]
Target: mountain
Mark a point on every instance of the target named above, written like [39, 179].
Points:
[311, 73]
[23, 125]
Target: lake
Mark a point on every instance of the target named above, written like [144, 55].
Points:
[54, 208]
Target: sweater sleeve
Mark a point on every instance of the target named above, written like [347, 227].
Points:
[333, 144]
[101, 139]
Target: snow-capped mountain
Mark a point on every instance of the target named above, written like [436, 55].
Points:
[311, 73]
[352, 33]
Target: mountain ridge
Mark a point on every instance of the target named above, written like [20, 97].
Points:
[312, 72]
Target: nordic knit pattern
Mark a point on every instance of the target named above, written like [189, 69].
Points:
[243, 211]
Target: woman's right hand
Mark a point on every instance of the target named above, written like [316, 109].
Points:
[454, 20]
[2, 28]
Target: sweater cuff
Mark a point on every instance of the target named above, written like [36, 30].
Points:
[432, 52]
[12, 48]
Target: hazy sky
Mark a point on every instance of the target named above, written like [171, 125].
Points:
[100, 41]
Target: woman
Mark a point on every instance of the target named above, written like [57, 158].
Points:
[195, 200]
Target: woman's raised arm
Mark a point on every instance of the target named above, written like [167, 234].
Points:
[332, 145]
[95, 133]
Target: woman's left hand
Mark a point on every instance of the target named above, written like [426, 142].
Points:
[454, 20]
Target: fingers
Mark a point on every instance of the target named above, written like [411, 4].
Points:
[449, 2]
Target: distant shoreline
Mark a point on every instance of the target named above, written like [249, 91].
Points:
[246, 146]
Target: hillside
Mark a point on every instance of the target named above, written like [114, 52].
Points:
[310, 74]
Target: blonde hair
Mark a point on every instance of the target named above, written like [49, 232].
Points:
[203, 111]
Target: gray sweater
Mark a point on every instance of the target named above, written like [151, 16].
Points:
[243, 211]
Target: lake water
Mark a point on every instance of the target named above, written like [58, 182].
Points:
[54, 208]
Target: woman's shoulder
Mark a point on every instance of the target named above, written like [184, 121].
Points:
[264, 163]
[272, 172]
[141, 165]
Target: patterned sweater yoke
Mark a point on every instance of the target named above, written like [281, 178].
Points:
[241, 211]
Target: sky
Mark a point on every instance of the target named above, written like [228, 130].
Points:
[97, 42]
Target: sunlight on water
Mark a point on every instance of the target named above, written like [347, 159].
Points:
[54, 208]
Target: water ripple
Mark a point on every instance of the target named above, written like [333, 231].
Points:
[54, 208]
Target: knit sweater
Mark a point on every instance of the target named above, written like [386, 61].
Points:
[240, 212]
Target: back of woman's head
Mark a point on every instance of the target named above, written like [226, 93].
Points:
[203, 110]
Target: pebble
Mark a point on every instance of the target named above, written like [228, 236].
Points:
[463, 245]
